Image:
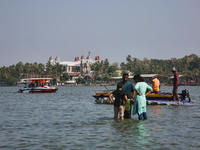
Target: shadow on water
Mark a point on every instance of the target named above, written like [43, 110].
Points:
[105, 118]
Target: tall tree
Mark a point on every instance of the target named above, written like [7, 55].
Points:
[129, 58]
[49, 67]
[105, 65]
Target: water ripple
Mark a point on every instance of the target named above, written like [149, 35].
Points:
[70, 119]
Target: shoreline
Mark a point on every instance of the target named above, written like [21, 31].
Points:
[89, 85]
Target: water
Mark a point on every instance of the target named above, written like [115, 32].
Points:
[70, 119]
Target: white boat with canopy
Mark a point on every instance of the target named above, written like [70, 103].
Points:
[36, 85]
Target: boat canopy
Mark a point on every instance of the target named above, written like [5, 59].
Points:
[153, 76]
[35, 79]
[144, 76]
[116, 78]
[186, 76]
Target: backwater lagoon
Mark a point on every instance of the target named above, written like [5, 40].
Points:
[70, 119]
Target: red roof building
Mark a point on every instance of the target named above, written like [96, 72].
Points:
[97, 58]
[77, 58]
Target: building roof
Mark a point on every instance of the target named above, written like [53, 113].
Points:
[77, 58]
[89, 76]
[78, 61]
[74, 73]
[97, 58]
[70, 63]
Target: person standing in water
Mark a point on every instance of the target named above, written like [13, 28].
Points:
[140, 103]
[118, 104]
[128, 87]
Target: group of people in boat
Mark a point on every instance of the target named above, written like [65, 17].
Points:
[33, 85]
[128, 96]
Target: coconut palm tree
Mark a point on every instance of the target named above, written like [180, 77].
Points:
[19, 68]
[41, 68]
[58, 69]
[26, 68]
[49, 67]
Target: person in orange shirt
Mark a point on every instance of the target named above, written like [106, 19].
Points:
[155, 85]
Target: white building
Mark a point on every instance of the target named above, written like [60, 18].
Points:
[78, 65]
[57, 60]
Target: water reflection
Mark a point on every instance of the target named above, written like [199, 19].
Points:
[142, 133]
[156, 111]
[133, 132]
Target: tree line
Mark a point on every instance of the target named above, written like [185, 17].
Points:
[103, 70]
[189, 65]
[11, 74]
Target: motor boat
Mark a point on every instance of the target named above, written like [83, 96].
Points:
[36, 85]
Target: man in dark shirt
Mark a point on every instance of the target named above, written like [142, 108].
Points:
[118, 104]
[175, 85]
[128, 87]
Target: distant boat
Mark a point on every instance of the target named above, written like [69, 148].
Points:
[36, 85]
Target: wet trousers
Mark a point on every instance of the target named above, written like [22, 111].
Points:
[142, 116]
[175, 93]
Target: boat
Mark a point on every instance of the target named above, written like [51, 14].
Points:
[164, 98]
[36, 85]
[161, 98]
[102, 96]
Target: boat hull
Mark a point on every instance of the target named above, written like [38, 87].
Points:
[162, 98]
[44, 90]
[165, 96]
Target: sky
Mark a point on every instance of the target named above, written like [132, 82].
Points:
[33, 30]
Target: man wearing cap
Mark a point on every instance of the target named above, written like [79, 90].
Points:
[175, 85]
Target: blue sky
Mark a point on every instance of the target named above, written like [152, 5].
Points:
[33, 30]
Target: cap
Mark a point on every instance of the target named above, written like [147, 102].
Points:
[173, 69]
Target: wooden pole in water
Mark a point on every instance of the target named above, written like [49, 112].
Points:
[171, 84]
[105, 87]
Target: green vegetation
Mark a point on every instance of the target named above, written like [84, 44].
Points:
[102, 71]
[189, 65]
[11, 74]
[65, 77]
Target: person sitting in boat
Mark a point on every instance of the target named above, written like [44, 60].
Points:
[155, 85]
[32, 85]
[25, 85]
